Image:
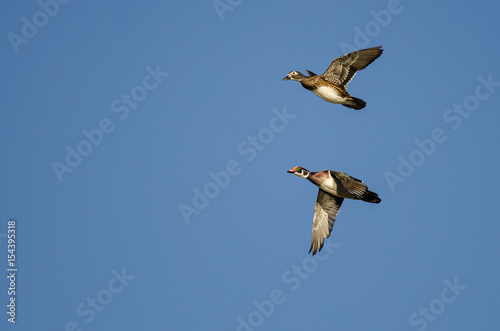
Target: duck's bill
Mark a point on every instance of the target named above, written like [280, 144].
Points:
[286, 78]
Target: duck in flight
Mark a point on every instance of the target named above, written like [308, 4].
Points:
[334, 186]
[331, 85]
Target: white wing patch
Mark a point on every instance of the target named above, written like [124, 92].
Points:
[325, 212]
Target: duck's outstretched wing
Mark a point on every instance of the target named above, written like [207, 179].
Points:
[342, 69]
[353, 185]
[325, 212]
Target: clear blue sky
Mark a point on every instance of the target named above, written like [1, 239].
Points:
[117, 116]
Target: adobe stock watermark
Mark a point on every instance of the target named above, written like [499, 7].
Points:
[91, 306]
[223, 6]
[380, 20]
[249, 148]
[428, 314]
[292, 278]
[453, 117]
[31, 26]
[121, 107]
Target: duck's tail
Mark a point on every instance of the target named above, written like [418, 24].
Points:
[355, 103]
[371, 197]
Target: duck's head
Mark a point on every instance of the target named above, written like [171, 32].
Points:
[294, 75]
[299, 171]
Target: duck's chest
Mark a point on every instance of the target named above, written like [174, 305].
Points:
[329, 94]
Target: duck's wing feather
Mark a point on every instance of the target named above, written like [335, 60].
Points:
[311, 73]
[342, 69]
[351, 184]
[325, 212]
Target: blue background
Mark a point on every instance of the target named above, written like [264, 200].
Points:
[118, 211]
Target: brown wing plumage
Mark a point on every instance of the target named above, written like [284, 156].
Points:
[352, 185]
[342, 69]
[311, 73]
[325, 212]
[354, 188]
